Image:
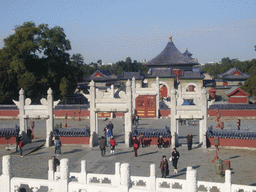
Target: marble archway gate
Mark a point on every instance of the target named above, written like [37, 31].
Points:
[43, 111]
[196, 111]
[109, 102]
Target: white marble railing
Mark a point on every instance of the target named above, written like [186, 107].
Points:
[66, 181]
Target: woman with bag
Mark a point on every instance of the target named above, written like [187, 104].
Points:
[164, 167]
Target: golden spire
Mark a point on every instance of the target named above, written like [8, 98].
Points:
[170, 39]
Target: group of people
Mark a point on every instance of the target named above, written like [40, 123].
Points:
[164, 163]
[108, 140]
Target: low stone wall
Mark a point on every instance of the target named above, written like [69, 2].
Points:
[153, 141]
[226, 142]
[75, 140]
[4, 141]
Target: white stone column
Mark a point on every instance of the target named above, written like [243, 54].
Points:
[22, 111]
[93, 115]
[6, 173]
[35, 189]
[173, 119]
[128, 114]
[191, 180]
[133, 94]
[50, 120]
[64, 175]
[203, 122]
[157, 97]
[125, 177]
[228, 181]
[117, 181]
[83, 175]
[51, 169]
[152, 183]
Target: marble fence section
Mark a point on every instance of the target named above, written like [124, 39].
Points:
[65, 181]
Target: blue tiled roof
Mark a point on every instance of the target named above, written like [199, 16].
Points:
[171, 56]
[130, 75]
[161, 72]
[191, 75]
[229, 75]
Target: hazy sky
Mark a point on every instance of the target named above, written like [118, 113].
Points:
[112, 30]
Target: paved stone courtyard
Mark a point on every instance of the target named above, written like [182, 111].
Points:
[35, 165]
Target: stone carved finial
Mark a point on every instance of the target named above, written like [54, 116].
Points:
[170, 39]
[128, 83]
[27, 101]
[21, 92]
[64, 168]
[49, 92]
[92, 84]
[125, 174]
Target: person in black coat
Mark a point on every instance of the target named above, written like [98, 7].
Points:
[175, 158]
[29, 134]
[190, 141]
[18, 139]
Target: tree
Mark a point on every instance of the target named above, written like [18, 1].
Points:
[37, 58]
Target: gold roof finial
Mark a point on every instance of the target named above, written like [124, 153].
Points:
[170, 39]
[186, 48]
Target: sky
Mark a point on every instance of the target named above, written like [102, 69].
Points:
[112, 30]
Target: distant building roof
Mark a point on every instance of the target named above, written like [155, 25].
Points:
[234, 74]
[187, 53]
[130, 75]
[102, 75]
[235, 89]
[191, 75]
[171, 56]
[160, 72]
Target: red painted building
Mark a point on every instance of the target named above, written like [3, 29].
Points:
[237, 95]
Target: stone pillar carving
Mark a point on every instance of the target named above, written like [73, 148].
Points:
[203, 122]
[22, 111]
[191, 180]
[93, 116]
[35, 189]
[7, 173]
[128, 114]
[50, 120]
[152, 183]
[125, 177]
[116, 182]
[173, 119]
[157, 97]
[51, 169]
[64, 175]
[133, 94]
[83, 176]
[228, 180]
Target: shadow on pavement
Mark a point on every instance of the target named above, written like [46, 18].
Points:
[148, 153]
[73, 151]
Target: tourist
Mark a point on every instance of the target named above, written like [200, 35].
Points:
[135, 145]
[18, 139]
[21, 144]
[136, 120]
[160, 142]
[102, 146]
[111, 127]
[29, 134]
[57, 144]
[164, 167]
[238, 124]
[141, 140]
[105, 131]
[112, 145]
[56, 163]
[175, 158]
[133, 118]
[108, 136]
[189, 141]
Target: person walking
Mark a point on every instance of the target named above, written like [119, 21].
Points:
[56, 163]
[136, 120]
[18, 139]
[57, 144]
[175, 158]
[21, 144]
[189, 141]
[29, 134]
[102, 146]
[111, 127]
[160, 142]
[112, 145]
[164, 167]
[238, 124]
[108, 137]
[105, 131]
[135, 145]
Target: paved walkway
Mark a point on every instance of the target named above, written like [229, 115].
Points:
[35, 164]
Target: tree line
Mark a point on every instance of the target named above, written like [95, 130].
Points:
[36, 57]
[248, 67]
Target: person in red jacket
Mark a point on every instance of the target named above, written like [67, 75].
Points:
[112, 145]
[21, 144]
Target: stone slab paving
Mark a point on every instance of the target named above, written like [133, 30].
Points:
[35, 165]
